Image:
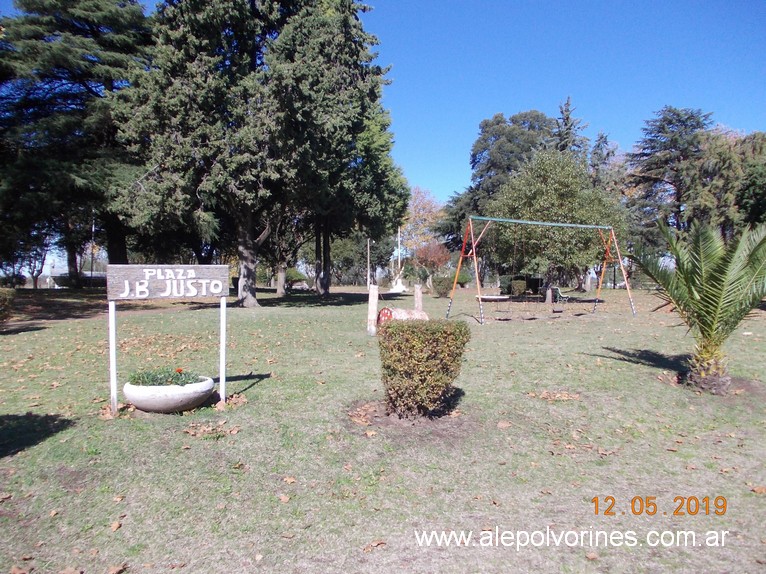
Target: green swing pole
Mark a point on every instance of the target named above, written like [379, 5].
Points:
[544, 223]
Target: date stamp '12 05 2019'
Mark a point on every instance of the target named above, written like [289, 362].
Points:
[648, 505]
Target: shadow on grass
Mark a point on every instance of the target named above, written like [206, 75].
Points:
[678, 363]
[58, 304]
[251, 378]
[19, 432]
[21, 328]
[449, 404]
[311, 299]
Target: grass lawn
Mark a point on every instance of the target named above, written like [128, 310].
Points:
[308, 476]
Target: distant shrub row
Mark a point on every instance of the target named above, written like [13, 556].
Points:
[6, 300]
[443, 285]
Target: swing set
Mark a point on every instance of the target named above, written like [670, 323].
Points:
[606, 233]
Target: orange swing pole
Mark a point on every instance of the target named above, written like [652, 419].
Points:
[613, 237]
[607, 259]
[468, 227]
[474, 244]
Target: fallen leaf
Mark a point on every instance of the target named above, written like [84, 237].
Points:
[53, 513]
[115, 526]
[5, 496]
[591, 556]
[117, 569]
[289, 479]
[71, 570]
[258, 557]
[93, 551]
[370, 433]
[375, 544]
[759, 489]
[288, 535]
[504, 425]
[284, 499]
[118, 498]
[17, 570]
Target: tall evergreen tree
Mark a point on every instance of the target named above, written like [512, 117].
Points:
[61, 61]
[252, 112]
[567, 134]
[202, 119]
[332, 128]
[662, 159]
[502, 148]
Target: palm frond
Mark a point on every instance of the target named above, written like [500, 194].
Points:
[714, 286]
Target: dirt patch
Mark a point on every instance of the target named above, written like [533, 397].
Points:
[746, 390]
[369, 417]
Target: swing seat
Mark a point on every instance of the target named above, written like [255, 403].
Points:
[558, 296]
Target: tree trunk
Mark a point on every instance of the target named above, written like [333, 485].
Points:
[247, 250]
[318, 258]
[116, 239]
[326, 263]
[72, 269]
[281, 277]
[322, 265]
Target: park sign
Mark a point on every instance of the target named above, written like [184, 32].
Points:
[125, 282]
[140, 282]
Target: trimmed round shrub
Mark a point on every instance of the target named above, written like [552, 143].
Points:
[420, 360]
[464, 278]
[292, 275]
[442, 285]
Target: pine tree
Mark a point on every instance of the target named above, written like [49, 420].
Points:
[61, 62]
[250, 113]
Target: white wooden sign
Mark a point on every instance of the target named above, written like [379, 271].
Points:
[166, 281]
[138, 282]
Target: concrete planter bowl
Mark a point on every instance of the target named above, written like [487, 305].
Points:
[168, 398]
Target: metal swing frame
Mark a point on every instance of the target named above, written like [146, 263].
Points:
[606, 233]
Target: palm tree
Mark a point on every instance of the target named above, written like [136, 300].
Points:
[713, 286]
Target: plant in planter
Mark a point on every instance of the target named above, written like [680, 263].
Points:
[167, 390]
[420, 360]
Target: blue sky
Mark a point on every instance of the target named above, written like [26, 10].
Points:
[457, 62]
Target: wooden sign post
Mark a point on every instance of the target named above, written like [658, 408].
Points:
[139, 282]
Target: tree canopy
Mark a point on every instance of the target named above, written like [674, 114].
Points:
[263, 117]
[553, 187]
[58, 154]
